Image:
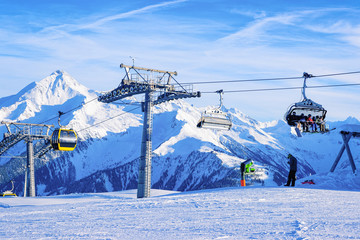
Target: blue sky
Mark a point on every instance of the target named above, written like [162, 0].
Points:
[201, 40]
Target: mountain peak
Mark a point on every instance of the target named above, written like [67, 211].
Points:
[55, 89]
[63, 80]
[58, 72]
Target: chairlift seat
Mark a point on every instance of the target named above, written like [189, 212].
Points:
[305, 107]
[215, 120]
[8, 194]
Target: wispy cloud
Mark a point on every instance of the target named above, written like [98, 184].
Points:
[256, 29]
[292, 38]
[247, 13]
[281, 25]
[104, 20]
[344, 30]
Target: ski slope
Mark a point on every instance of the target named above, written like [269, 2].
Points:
[224, 213]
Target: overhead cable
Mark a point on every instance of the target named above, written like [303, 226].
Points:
[287, 88]
[245, 80]
[270, 79]
[109, 119]
[336, 74]
[71, 110]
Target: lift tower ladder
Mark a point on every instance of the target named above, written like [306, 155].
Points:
[27, 132]
[159, 89]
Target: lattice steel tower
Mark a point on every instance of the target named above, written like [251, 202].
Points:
[29, 133]
[157, 90]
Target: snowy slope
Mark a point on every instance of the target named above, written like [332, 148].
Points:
[227, 213]
[185, 157]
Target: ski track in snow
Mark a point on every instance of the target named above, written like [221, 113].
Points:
[228, 213]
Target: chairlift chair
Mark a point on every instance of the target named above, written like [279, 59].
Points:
[8, 193]
[63, 139]
[306, 107]
[215, 118]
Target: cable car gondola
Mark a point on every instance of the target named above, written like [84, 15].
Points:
[304, 108]
[63, 139]
[215, 118]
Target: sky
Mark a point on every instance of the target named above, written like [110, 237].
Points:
[202, 40]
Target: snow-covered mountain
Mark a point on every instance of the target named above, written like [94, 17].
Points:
[184, 157]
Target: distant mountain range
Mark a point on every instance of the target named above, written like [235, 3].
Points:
[184, 157]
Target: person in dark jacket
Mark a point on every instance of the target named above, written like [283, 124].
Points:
[293, 168]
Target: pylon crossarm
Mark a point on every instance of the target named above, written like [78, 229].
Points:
[168, 96]
[10, 141]
[26, 124]
[125, 90]
[20, 131]
[147, 69]
[140, 84]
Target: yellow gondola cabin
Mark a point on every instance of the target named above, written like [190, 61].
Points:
[63, 139]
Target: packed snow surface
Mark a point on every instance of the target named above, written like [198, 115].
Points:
[225, 213]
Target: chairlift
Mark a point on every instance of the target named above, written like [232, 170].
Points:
[215, 118]
[63, 139]
[304, 108]
[8, 193]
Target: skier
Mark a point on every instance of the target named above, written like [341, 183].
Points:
[293, 167]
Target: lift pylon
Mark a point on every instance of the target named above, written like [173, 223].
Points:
[157, 89]
[346, 136]
[28, 132]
